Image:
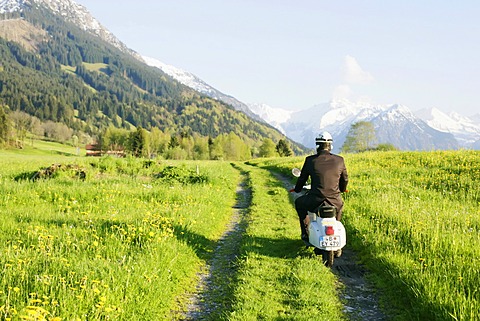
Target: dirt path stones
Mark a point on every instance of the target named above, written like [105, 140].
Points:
[359, 297]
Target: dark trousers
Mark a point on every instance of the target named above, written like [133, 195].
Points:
[309, 202]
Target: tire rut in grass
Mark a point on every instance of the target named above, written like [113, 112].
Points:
[359, 297]
[214, 292]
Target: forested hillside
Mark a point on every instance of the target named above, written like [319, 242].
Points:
[64, 75]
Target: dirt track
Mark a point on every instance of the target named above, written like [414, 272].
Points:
[359, 298]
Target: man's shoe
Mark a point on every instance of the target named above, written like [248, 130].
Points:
[338, 253]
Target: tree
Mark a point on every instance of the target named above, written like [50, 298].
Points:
[115, 139]
[21, 123]
[267, 149]
[283, 148]
[216, 149]
[234, 148]
[174, 142]
[201, 148]
[4, 125]
[36, 127]
[360, 137]
[57, 131]
[139, 142]
[159, 141]
[187, 143]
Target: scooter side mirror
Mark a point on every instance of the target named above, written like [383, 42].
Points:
[296, 172]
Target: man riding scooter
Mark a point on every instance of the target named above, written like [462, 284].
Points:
[329, 179]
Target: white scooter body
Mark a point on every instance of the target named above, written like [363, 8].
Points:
[326, 234]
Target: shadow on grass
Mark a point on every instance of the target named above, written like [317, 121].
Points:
[202, 246]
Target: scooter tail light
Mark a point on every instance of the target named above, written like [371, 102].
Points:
[329, 230]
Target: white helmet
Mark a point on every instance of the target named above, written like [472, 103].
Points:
[324, 137]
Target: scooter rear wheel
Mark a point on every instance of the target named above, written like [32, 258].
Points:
[328, 257]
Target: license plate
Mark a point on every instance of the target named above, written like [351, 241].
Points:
[330, 241]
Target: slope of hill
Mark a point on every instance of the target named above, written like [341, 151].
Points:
[22, 32]
[49, 74]
[192, 81]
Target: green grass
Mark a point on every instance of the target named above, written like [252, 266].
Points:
[37, 147]
[278, 279]
[424, 207]
[414, 219]
[100, 67]
[69, 69]
[124, 243]
[127, 239]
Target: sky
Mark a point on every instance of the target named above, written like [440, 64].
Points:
[295, 54]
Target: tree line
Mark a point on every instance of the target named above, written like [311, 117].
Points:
[16, 127]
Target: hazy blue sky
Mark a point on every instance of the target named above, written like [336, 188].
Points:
[295, 54]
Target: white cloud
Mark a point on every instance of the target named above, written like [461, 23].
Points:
[354, 74]
[353, 80]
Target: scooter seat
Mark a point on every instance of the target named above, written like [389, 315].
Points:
[326, 211]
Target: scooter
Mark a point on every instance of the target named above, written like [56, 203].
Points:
[325, 234]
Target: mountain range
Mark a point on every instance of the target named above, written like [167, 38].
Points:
[396, 124]
[426, 129]
[58, 63]
[164, 92]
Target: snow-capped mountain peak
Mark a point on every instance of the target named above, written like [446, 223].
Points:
[273, 116]
[397, 112]
[9, 6]
[465, 129]
[184, 77]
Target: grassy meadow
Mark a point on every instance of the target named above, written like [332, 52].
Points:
[414, 219]
[425, 209]
[124, 239]
[97, 239]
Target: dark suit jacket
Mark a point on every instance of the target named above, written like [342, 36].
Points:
[328, 176]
